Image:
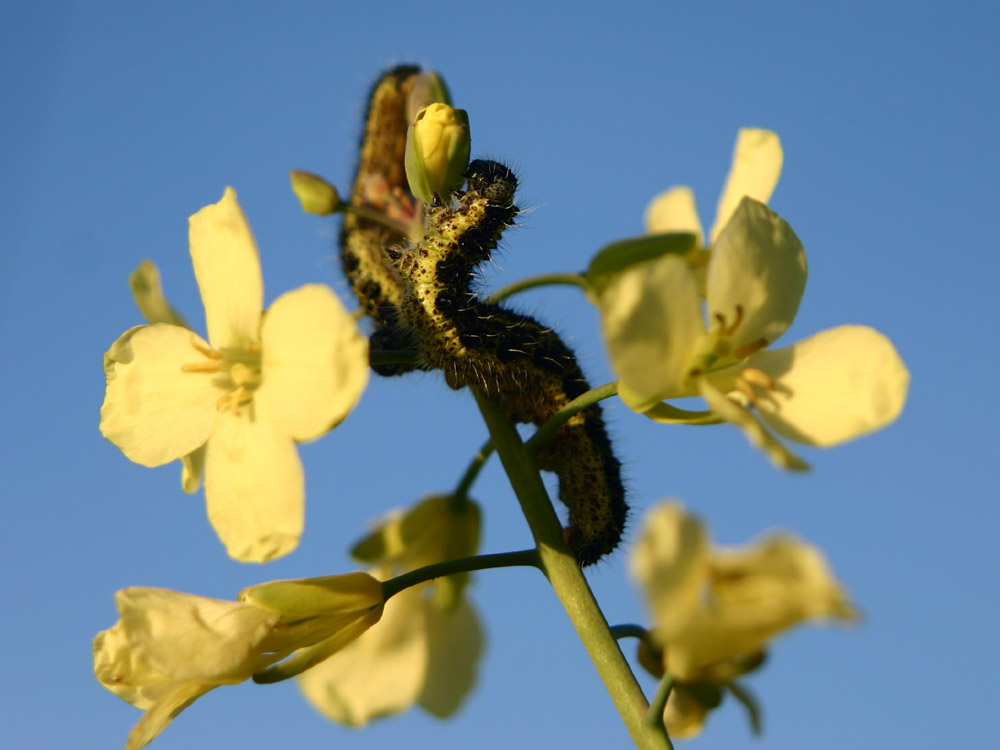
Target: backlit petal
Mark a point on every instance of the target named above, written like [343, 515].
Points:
[314, 362]
[227, 267]
[254, 487]
[153, 410]
[757, 159]
[381, 673]
[652, 322]
[176, 697]
[756, 433]
[673, 211]
[455, 641]
[670, 561]
[149, 298]
[756, 276]
[837, 385]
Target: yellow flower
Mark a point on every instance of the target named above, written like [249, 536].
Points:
[426, 648]
[169, 648]
[756, 167]
[715, 610]
[261, 383]
[824, 390]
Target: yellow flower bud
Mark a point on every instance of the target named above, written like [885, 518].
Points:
[316, 195]
[437, 151]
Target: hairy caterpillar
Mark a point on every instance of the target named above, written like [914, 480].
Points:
[421, 294]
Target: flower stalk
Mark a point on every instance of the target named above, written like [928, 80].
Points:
[568, 581]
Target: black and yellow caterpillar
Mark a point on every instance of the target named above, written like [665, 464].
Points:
[419, 295]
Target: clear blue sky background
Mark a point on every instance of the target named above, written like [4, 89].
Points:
[119, 120]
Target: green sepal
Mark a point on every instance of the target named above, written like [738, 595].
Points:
[616, 257]
[749, 701]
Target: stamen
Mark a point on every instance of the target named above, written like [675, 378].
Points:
[205, 349]
[205, 367]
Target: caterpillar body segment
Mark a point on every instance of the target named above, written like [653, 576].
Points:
[508, 355]
[380, 185]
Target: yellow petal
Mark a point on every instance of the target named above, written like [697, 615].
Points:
[314, 363]
[670, 561]
[674, 211]
[776, 583]
[835, 386]
[455, 643]
[756, 433]
[175, 699]
[652, 323]
[152, 410]
[380, 673]
[756, 275]
[254, 487]
[227, 267]
[148, 293]
[757, 159]
[684, 714]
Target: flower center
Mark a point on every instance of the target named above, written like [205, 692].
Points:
[238, 369]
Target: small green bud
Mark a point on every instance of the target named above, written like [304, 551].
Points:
[437, 151]
[316, 195]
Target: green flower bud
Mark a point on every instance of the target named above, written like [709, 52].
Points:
[316, 195]
[437, 151]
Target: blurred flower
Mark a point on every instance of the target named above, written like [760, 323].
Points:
[426, 648]
[824, 390]
[715, 610]
[169, 648]
[264, 383]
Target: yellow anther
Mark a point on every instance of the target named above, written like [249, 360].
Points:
[204, 348]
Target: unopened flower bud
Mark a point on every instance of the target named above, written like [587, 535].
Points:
[316, 195]
[437, 151]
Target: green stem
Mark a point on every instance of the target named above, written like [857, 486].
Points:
[528, 557]
[629, 630]
[547, 279]
[575, 406]
[475, 466]
[567, 578]
[654, 716]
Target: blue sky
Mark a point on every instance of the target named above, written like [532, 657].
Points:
[121, 119]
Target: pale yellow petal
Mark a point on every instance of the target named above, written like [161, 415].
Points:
[193, 637]
[837, 385]
[314, 362]
[174, 700]
[227, 267]
[153, 410]
[149, 298]
[757, 159]
[652, 323]
[670, 561]
[381, 673]
[756, 276]
[254, 487]
[456, 643]
[756, 433]
[674, 211]
[684, 714]
[775, 583]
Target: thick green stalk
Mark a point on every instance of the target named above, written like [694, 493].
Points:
[568, 581]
